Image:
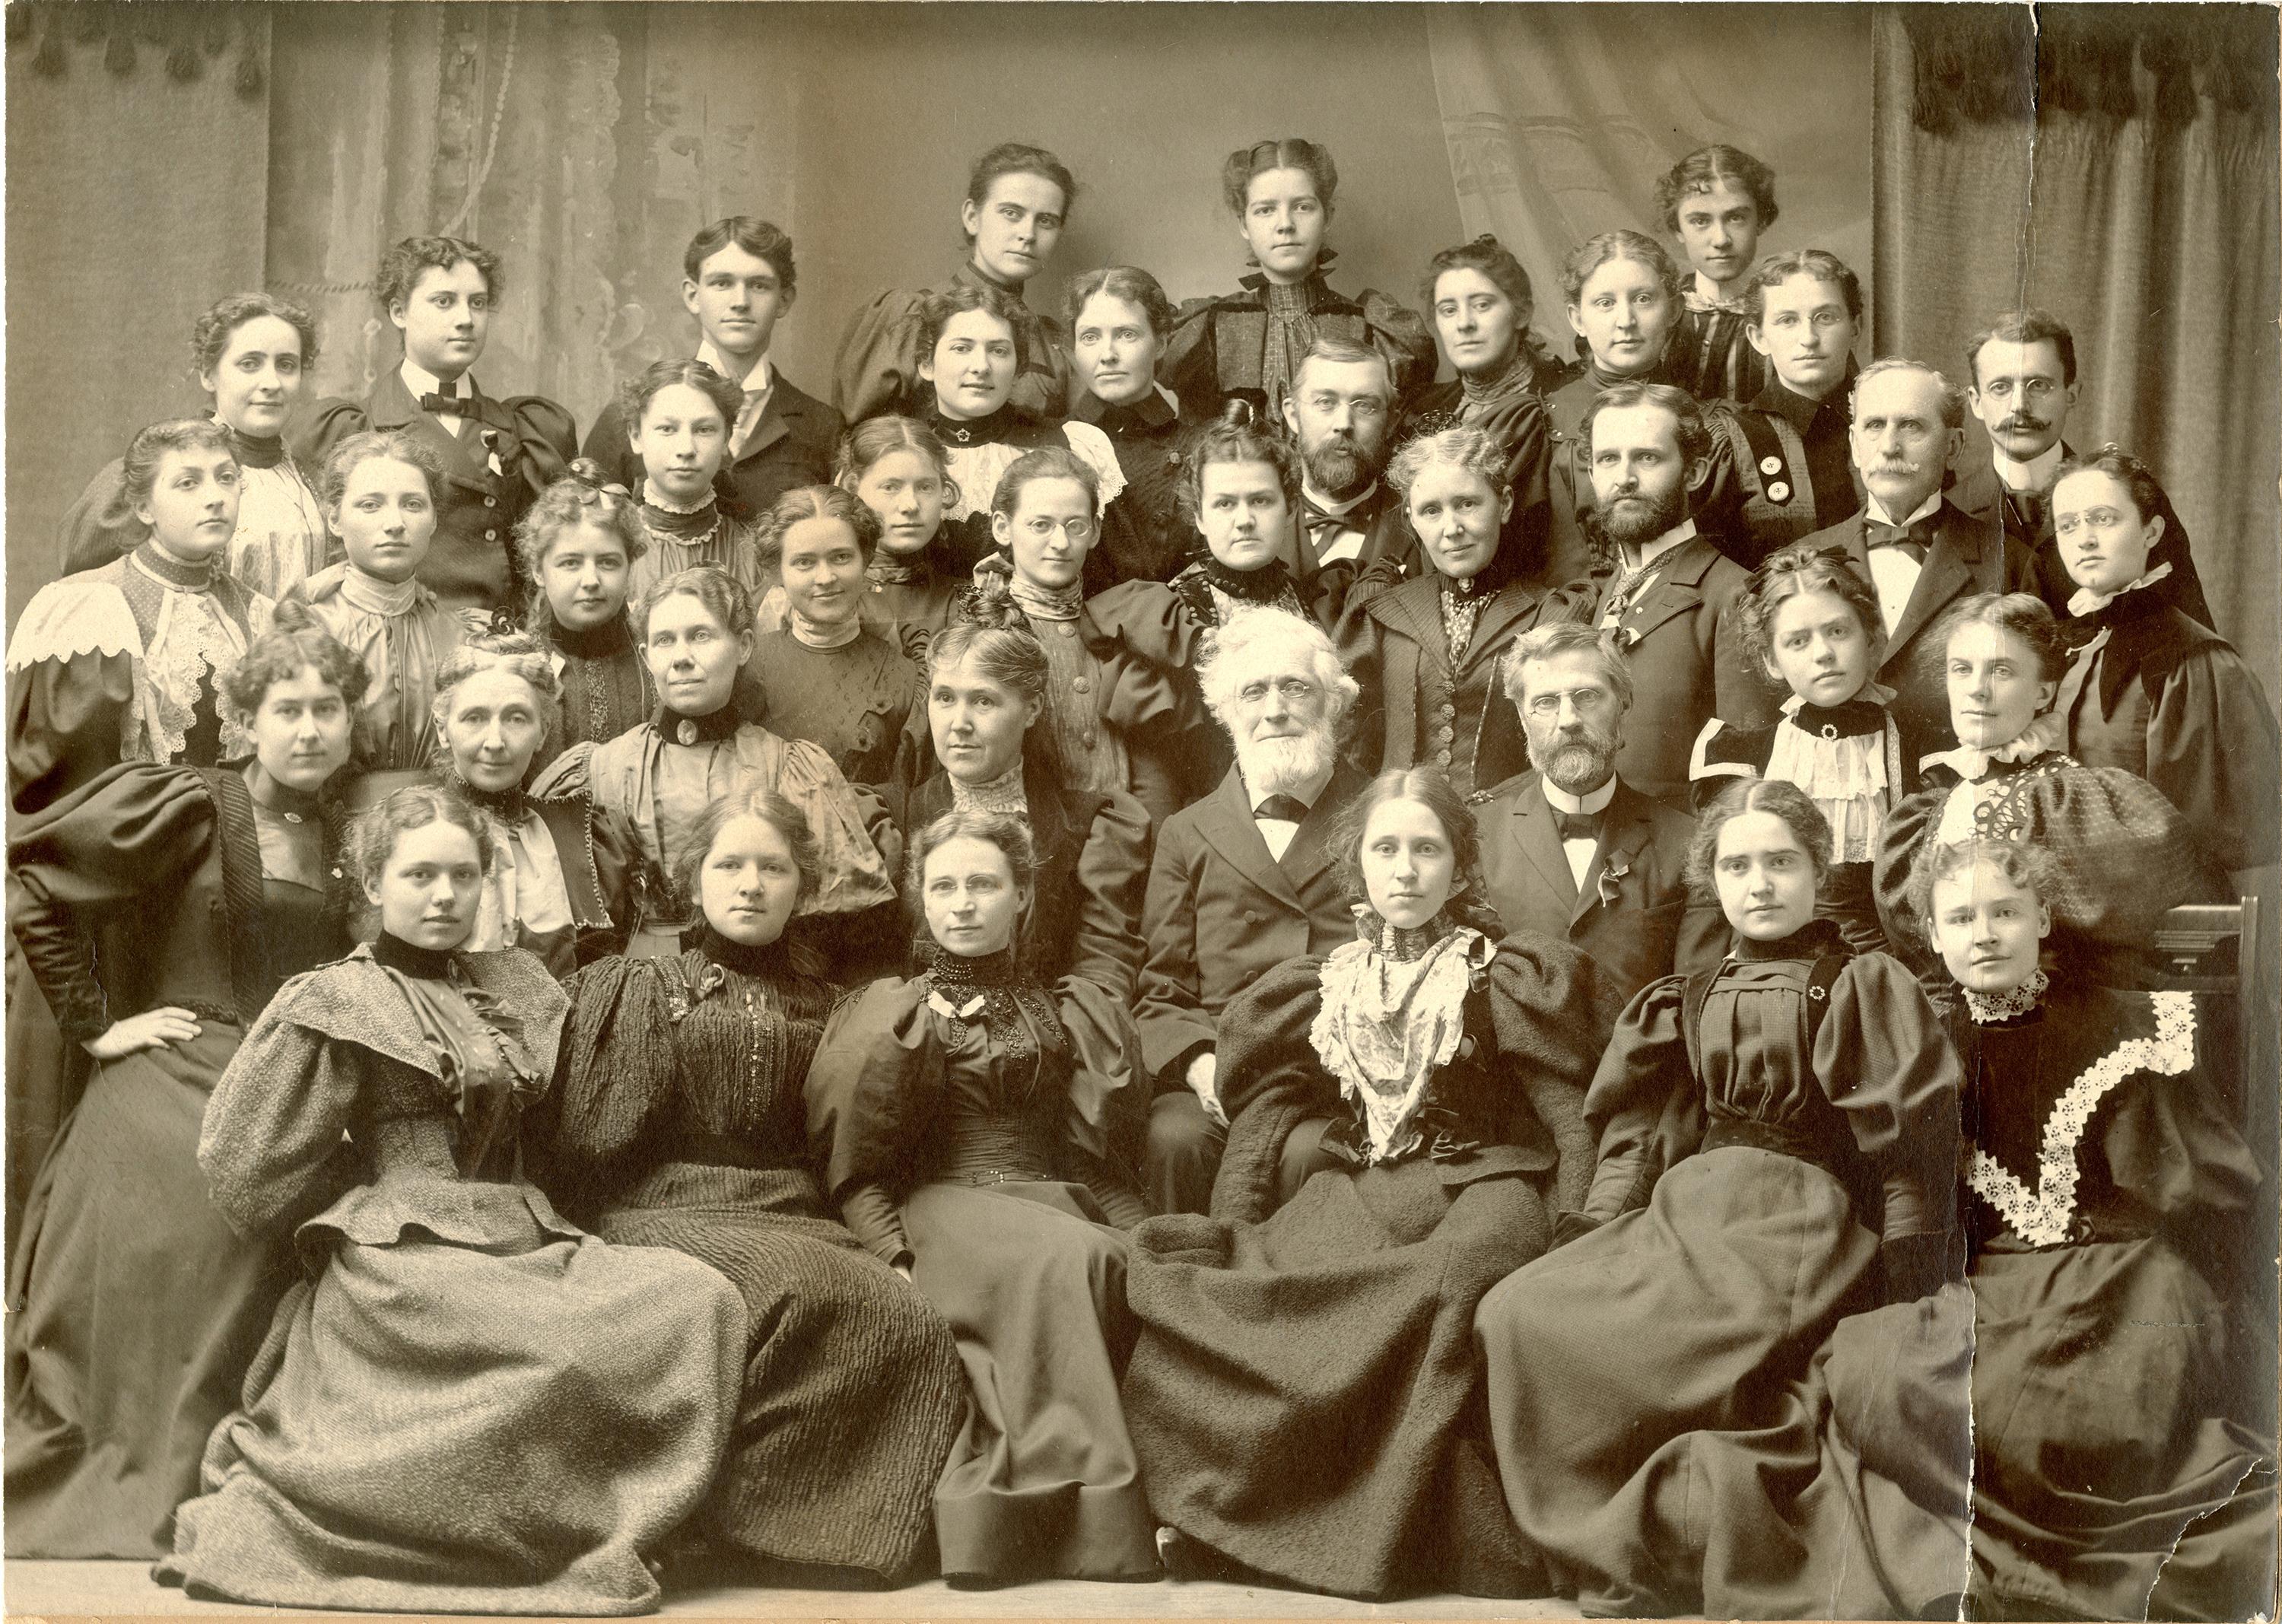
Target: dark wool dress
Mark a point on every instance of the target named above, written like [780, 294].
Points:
[982, 1133]
[606, 685]
[1508, 408]
[134, 1308]
[2116, 1468]
[682, 1124]
[465, 1404]
[1747, 1180]
[861, 702]
[1303, 1372]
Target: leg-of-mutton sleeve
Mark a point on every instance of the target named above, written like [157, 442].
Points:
[1644, 1107]
[874, 1090]
[1552, 1011]
[1106, 1126]
[613, 1072]
[273, 1146]
[92, 856]
[2214, 750]
[1270, 1081]
[72, 701]
[1113, 870]
[1884, 1059]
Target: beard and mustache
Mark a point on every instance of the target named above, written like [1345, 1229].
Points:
[1339, 464]
[1626, 521]
[1577, 761]
[1277, 767]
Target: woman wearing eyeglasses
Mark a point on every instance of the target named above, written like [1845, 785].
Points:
[1117, 720]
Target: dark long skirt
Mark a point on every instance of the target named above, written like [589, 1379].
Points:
[1301, 1391]
[1042, 1481]
[852, 1390]
[134, 1311]
[1695, 1312]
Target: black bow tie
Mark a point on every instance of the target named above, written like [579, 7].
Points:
[1291, 808]
[1912, 539]
[1316, 518]
[455, 406]
[1577, 826]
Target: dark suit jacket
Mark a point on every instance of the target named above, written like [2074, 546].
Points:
[1687, 666]
[1221, 913]
[1653, 928]
[1968, 556]
[792, 446]
[472, 562]
[1981, 493]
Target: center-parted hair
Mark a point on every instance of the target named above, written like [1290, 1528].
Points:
[876, 437]
[813, 501]
[1703, 170]
[1787, 573]
[1248, 164]
[211, 334]
[1235, 435]
[517, 653]
[1010, 834]
[2145, 492]
[1430, 788]
[1596, 251]
[1786, 801]
[937, 309]
[1019, 158]
[1264, 634]
[991, 634]
[2022, 614]
[372, 839]
[1047, 463]
[139, 469]
[771, 808]
[409, 259]
[1560, 637]
[1129, 283]
[1473, 449]
[390, 445]
[724, 598]
[1815, 262]
[2025, 863]
[636, 392]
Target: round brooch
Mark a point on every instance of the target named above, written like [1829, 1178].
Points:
[686, 733]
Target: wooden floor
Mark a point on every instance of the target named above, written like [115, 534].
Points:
[65, 1589]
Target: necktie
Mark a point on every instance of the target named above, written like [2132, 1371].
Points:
[1577, 826]
[2028, 513]
[1286, 807]
[1910, 539]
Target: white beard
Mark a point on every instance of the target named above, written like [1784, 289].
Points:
[1278, 766]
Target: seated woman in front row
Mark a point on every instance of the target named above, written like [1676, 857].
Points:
[466, 1405]
[1304, 1368]
[1778, 1143]
[980, 1134]
[680, 1124]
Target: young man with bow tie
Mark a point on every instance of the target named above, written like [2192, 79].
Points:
[1570, 849]
[498, 455]
[1917, 549]
[1340, 412]
[2025, 389]
[1242, 881]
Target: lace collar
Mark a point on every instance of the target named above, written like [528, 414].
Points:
[1004, 794]
[1997, 1009]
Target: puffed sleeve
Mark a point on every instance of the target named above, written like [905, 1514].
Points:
[2214, 750]
[272, 1144]
[1884, 1059]
[545, 436]
[1155, 713]
[1553, 1010]
[71, 688]
[848, 826]
[1900, 838]
[1400, 334]
[1148, 621]
[1189, 365]
[1108, 1124]
[101, 525]
[614, 1070]
[608, 445]
[875, 371]
[1644, 1107]
[1361, 643]
[1175, 1029]
[1113, 870]
[332, 422]
[1725, 751]
[1271, 1080]
[874, 1090]
[130, 834]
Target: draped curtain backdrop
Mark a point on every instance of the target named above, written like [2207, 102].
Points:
[2117, 166]
[1560, 119]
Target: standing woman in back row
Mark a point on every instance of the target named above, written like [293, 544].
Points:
[1251, 342]
[252, 353]
[1018, 197]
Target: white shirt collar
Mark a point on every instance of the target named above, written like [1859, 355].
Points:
[756, 381]
[1310, 792]
[1561, 800]
[1336, 509]
[1875, 511]
[2035, 474]
[1679, 535]
[420, 381]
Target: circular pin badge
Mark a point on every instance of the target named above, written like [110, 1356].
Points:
[1778, 492]
[1770, 465]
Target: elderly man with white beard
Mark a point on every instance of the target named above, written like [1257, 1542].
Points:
[1242, 881]
[1572, 850]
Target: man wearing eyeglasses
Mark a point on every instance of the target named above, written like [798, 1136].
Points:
[1242, 881]
[2024, 388]
[1569, 849]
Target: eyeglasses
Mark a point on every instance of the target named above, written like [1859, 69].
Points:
[1291, 690]
[1079, 530]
